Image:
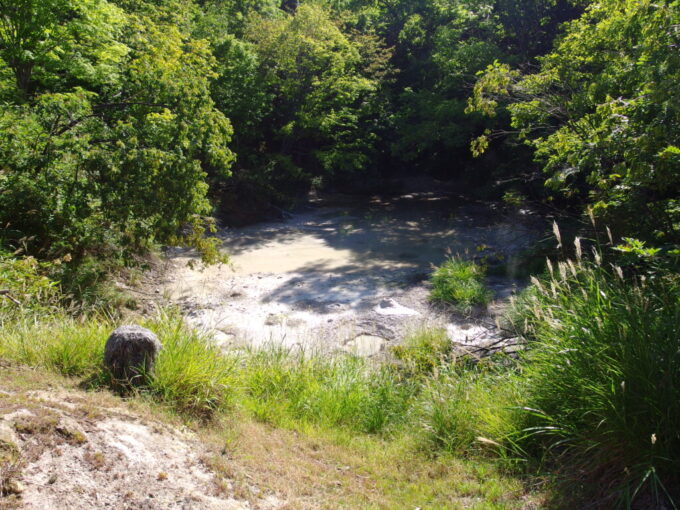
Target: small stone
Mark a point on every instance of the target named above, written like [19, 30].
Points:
[130, 353]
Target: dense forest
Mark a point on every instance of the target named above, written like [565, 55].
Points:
[127, 125]
[124, 121]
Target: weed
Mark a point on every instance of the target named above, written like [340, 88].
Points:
[461, 283]
[95, 459]
[423, 351]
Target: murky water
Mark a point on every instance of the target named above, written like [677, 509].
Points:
[347, 273]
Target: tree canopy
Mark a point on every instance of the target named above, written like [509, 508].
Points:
[125, 122]
[602, 113]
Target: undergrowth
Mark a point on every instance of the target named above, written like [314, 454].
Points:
[287, 388]
[594, 397]
[603, 368]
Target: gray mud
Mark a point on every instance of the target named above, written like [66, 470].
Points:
[351, 274]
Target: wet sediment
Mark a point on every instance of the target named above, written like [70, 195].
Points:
[353, 276]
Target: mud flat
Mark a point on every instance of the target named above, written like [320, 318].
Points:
[349, 274]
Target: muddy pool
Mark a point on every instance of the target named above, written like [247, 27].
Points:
[348, 273]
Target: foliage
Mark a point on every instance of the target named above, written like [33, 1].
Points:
[459, 282]
[324, 88]
[602, 114]
[602, 373]
[104, 145]
[438, 47]
[25, 288]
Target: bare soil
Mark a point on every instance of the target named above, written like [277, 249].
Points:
[76, 450]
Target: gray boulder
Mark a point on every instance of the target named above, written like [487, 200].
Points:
[130, 353]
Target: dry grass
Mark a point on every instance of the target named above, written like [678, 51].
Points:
[314, 470]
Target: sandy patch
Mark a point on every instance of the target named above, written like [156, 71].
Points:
[71, 460]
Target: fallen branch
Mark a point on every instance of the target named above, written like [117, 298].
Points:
[9, 296]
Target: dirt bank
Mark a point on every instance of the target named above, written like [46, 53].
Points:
[64, 448]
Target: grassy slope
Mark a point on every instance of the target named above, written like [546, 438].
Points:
[322, 432]
[597, 389]
[310, 467]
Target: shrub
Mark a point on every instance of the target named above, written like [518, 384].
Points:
[461, 283]
[603, 375]
[25, 288]
[423, 351]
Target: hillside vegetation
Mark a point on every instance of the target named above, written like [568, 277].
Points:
[131, 125]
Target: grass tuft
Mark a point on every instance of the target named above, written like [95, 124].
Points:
[286, 387]
[461, 283]
[604, 380]
[191, 376]
[468, 410]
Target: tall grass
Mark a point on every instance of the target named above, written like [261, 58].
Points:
[191, 375]
[603, 374]
[461, 283]
[434, 401]
[61, 343]
[427, 395]
[469, 409]
[596, 394]
[286, 387]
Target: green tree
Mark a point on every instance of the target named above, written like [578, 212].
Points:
[313, 88]
[602, 114]
[114, 145]
[40, 41]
